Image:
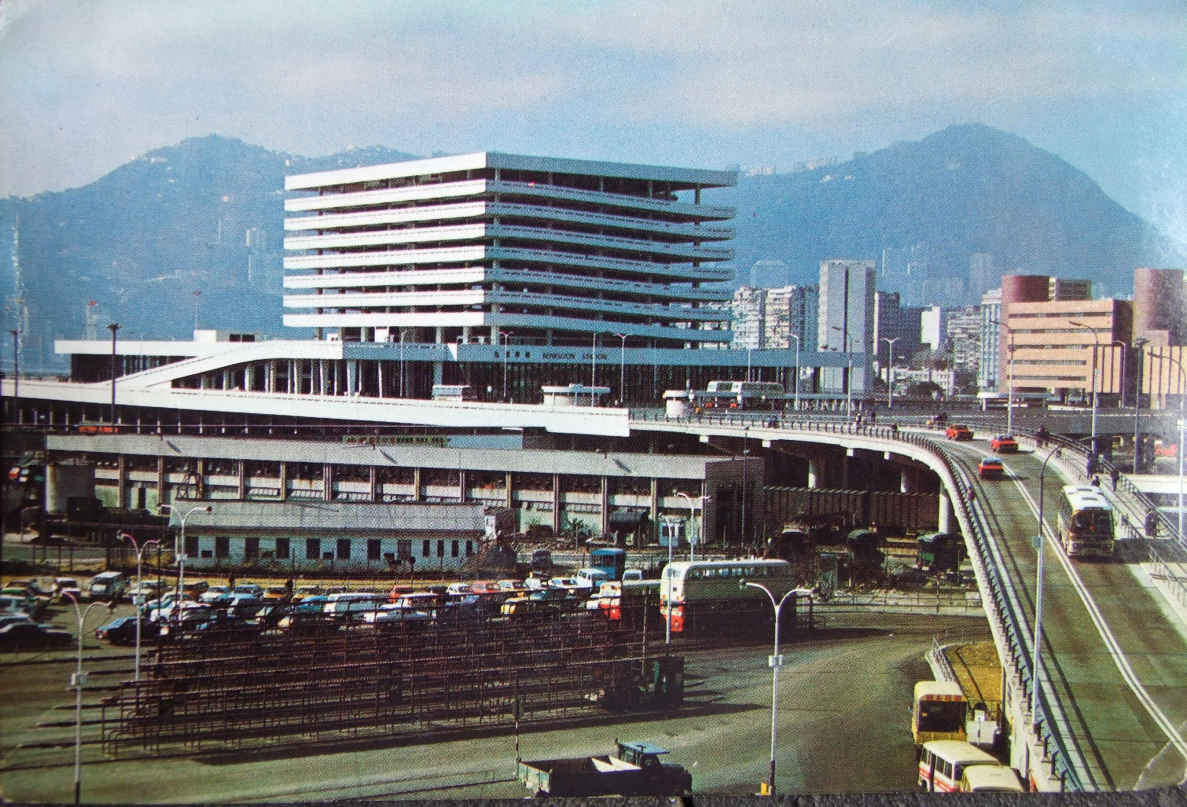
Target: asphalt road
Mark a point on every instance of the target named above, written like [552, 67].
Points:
[1104, 714]
[844, 696]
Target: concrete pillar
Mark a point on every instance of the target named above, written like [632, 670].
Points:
[121, 497]
[945, 516]
[845, 468]
[162, 480]
[284, 481]
[461, 484]
[506, 488]
[327, 482]
[241, 476]
[416, 484]
[604, 505]
[654, 504]
[906, 480]
[373, 484]
[352, 376]
[815, 477]
[556, 504]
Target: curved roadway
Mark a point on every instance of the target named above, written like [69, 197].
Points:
[1114, 657]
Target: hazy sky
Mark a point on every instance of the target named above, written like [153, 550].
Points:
[86, 85]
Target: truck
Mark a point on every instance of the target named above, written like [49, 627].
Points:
[633, 770]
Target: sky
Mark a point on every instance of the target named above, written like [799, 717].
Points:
[87, 85]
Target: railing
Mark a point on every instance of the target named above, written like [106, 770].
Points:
[1009, 620]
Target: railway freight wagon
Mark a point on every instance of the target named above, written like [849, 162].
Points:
[711, 596]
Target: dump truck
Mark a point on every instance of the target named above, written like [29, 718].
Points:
[633, 770]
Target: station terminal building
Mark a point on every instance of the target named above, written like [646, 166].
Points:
[502, 274]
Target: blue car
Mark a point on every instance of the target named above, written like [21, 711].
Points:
[122, 630]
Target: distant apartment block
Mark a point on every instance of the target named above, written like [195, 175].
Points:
[748, 311]
[895, 321]
[1160, 306]
[846, 321]
[791, 319]
[990, 315]
[963, 334]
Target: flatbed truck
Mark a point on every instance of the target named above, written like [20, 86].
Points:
[633, 770]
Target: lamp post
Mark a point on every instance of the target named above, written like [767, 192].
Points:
[113, 327]
[16, 363]
[139, 595]
[1137, 402]
[668, 582]
[622, 367]
[848, 340]
[890, 369]
[1182, 424]
[1095, 347]
[692, 516]
[1038, 631]
[1009, 374]
[796, 337]
[505, 336]
[180, 553]
[775, 662]
[78, 681]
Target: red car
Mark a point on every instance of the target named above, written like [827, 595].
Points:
[1004, 444]
[958, 431]
[991, 468]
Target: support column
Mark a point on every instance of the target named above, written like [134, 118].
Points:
[654, 503]
[604, 503]
[373, 484]
[945, 516]
[162, 480]
[506, 488]
[461, 484]
[241, 475]
[556, 504]
[121, 476]
[814, 472]
[352, 376]
[284, 481]
[416, 484]
[327, 482]
[848, 452]
[906, 480]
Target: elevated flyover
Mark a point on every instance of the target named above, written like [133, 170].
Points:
[1112, 711]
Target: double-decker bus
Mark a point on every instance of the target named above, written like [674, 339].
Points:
[707, 595]
[744, 394]
[1085, 522]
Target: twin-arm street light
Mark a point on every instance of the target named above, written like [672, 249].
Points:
[78, 681]
[890, 369]
[179, 552]
[138, 599]
[775, 662]
[1095, 348]
[1038, 631]
[692, 515]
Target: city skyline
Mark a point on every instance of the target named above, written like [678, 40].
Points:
[106, 82]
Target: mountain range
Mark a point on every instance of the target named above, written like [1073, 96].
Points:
[192, 234]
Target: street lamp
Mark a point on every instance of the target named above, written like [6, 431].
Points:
[849, 374]
[775, 662]
[1038, 632]
[1182, 423]
[16, 363]
[180, 554]
[1095, 347]
[622, 367]
[113, 327]
[692, 517]
[1009, 374]
[796, 337]
[137, 600]
[890, 369]
[78, 681]
[1137, 401]
[671, 525]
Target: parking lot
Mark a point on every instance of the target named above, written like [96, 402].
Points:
[842, 728]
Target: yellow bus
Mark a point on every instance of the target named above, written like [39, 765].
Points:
[938, 712]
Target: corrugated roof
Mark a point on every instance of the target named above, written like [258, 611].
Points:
[315, 516]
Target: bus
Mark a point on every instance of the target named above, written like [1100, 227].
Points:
[942, 763]
[938, 712]
[453, 392]
[1085, 522]
[990, 779]
[744, 395]
[609, 559]
[706, 595]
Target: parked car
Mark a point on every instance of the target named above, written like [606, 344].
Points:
[217, 596]
[303, 592]
[991, 468]
[31, 635]
[145, 591]
[67, 585]
[1004, 444]
[249, 590]
[122, 630]
[13, 619]
[958, 431]
[108, 586]
[275, 593]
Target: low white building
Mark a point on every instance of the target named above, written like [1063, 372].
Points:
[308, 535]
